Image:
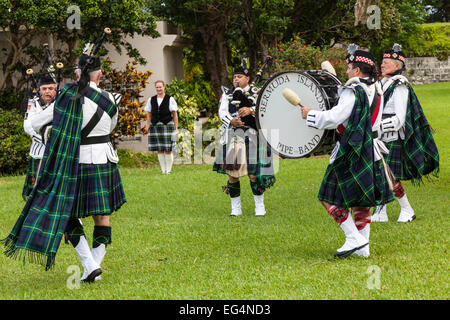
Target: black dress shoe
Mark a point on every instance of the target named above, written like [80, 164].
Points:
[91, 277]
[345, 254]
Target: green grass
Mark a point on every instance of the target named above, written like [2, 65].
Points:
[173, 239]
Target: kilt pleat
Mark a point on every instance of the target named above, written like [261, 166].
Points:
[331, 190]
[99, 190]
[394, 159]
[160, 137]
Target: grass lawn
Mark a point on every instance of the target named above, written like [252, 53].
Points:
[174, 238]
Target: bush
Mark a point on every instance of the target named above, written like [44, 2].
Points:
[14, 143]
[11, 99]
[130, 83]
[431, 40]
[297, 55]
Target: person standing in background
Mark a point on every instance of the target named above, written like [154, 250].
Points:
[162, 126]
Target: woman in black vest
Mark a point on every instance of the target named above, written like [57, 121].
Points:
[162, 126]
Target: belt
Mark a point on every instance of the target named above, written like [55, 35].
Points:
[95, 140]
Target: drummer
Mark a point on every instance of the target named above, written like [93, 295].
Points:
[355, 177]
[242, 153]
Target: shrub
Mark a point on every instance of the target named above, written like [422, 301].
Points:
[14, 143]
[430, 40]
[11, 99]
[297, 55]
[130, 83]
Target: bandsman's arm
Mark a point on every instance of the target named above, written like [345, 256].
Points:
[40, 119]
[331, 119]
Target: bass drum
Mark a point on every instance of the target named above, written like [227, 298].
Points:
[281, 124]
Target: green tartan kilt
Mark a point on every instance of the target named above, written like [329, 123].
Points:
[160, 137]
[259, 160]
[394, 159]
[330, 189]
[30, 177]
[99, 190]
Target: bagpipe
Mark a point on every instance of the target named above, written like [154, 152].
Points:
[48, 67]
[83, 81]
[240, 98]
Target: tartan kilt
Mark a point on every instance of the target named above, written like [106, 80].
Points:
[30, 177]
[330, 189]
[160, 137]
[99, 190]
[259, 163]
[394, 159]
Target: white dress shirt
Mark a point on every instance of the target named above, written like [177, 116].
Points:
[339, 114]
[98, 153]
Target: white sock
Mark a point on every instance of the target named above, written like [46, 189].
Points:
[404, 203]
[169, 162]
[162, 162]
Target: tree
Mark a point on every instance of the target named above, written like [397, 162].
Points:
[23, 21]
[265, 23]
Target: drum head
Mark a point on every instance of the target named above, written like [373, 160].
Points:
[281, 123]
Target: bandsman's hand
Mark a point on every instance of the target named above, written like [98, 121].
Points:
[236, 122]
[244, 111]
[305, 111]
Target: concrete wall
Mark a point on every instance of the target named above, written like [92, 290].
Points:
[423, 70]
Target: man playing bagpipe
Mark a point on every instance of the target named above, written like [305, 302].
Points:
[243, 152]
[79, 177]
[406, 132]
[42, 101]
[355, 177]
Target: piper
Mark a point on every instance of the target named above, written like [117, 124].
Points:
[406, 132]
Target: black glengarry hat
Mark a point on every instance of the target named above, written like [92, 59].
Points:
[45, 79]
[90, 63]
[241, 70]
[395, 53]
[357, 55]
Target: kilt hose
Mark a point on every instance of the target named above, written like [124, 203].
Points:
[30, 177]
[99, 190]
[160, 137]
[258, 160]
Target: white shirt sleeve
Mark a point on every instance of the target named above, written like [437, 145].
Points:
[31, 109]
[172, 105]
[400, 99]
[224, 115]
[331, 119]
[38, 120]
[148, 106]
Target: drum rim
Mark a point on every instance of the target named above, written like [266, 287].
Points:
[258, 125]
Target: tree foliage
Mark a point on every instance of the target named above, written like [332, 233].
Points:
[23, 22]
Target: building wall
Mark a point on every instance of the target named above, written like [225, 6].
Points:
[163, 55]
[423, 70]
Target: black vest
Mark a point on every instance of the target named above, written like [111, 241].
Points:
[161, 113]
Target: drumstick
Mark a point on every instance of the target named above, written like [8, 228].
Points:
[292, 97]
[326, 65]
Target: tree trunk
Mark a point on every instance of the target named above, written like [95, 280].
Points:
[361, 10]
[213, 35]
